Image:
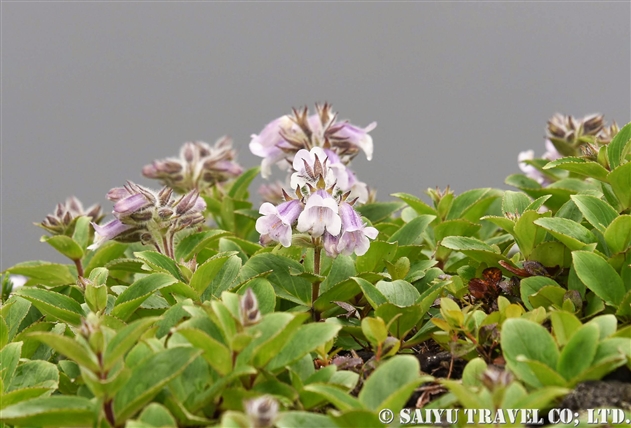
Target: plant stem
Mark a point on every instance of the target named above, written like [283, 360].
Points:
[79, 266]
[315, 288]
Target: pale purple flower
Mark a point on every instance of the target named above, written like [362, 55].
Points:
[320, 214]
[329, 242]
[276, 223]
[551, 153]
[355, 234]
[529, 170]
[130, 204]
[268, 143]
[272, 192]
[309, 166]
[358, 137]
[108, 231]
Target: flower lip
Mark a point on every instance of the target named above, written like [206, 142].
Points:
[320, 214]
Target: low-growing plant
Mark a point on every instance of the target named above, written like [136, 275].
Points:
[323, 307]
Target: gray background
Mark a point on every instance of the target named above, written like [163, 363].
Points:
[91, 92]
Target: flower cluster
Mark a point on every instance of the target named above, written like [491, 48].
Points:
[282, 139]
[198, 167]
[61, 222]
[568, 136]
[143, 215]
[319, 209]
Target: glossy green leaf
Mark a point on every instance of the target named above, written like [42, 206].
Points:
[375, 330]
[564, 325]
[550, 295]
[579, 166]
[596, 211]
[415, 203]
[572, 234]
[46, 273]
[392, 383]
[514, 202]
[335, 395]
[399, 292]
[579, 352]
[65, 245]
[160, 263]
[70, 348]
[618, 146]
[620, 180]
[54, 411]
[130, 299]
[378, 211]
[14, 311]
[599, 276]
[618, 234]
[521, 337]
[373, 295]
[378, 252]
[527, 235]
[455, 228]
[342, 268]
[206, 272]
[546, 375]
[9, 357]
[155, 415]
[215, 353]
[196, 242]
[239, 189]
[124, 340]
[54, 304]
[400, 319]
[410, 233]
[149, 377]
[470, 205]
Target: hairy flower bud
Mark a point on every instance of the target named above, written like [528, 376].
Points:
[62, 221]
[249, 308]
[262, 411]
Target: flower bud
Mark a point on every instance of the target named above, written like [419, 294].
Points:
[249, 308]
[262, 411]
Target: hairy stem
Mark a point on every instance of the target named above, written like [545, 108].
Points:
[79, 266]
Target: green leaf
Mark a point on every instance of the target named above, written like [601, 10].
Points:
[620, 180]
[264, 292]
[618, 234]
[547, 376]
[564, 325]
[23, 394]
[239, 189]
[470, 205]
[149, 377]
[527, 235]
[514, 202]
[65, 245]
[287, 286]
[130, 299]
[342, 291]
[70, 348]
[269, 335]
[455, 228]
[400, 320]
[399, 292]
[194, 243]
[378, 252]
[159, 263]
[415, 203]
[306, 340]
[54, 411]
[378, 211]
[392, 383]
[465, 243]
[81, 233]
[14, 311]
[599, 276]
[335, 395]
[44, 272]
[111, 250]
[206, 272]
[410, 233]
[579, 352]
[357, 418]
[521, 337]
[4, 333]
[375, 330]
[9, 357]
[224, 279]
[579, 166]
[124, 340]
[596, 211]
[550, 295]
[36, 373]
[156, 415]
[572, 234]
[302, 419]
[342, 268]
[618, 146]
[464, 395]
[53, 304]
[215, 353]
[372, 294]
[472, 373]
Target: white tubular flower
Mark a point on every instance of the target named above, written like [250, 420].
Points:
[355, 234]
[276, 223]
[320, 214]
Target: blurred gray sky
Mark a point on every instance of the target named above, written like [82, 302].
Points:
[92, 91]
